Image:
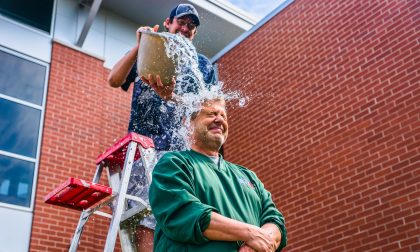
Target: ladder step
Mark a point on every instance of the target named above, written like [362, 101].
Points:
[116, 153]
[77, 194]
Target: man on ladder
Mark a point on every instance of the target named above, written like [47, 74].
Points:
[151, 115]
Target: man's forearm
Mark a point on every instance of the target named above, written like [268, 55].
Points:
[120, 71]
[225, 229]
[222, 228]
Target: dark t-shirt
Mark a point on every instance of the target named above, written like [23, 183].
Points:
[153, 117]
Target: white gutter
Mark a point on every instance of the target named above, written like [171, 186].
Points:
[246, 34]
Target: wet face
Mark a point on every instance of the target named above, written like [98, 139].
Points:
[182, 25]
[210, 127]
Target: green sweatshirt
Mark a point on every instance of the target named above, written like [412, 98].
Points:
[187, 186]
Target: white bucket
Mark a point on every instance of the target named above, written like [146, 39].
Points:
[152, 58]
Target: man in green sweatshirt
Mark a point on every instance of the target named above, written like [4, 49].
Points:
[204, 203]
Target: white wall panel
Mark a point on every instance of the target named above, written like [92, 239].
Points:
[94, 43]
[66, 22]
[25, 40]
[114, 50]
[110, 36]
[67, 31]
[121, 29]
[15, 230]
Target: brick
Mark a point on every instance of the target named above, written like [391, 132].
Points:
[342, 80]
[79, 104]
[335, 113]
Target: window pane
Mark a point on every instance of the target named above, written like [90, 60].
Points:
[19, 127]
[34, 13]
[16, 178]
[21, 78]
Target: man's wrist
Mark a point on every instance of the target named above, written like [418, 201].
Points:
[252, 232]
[272, 229]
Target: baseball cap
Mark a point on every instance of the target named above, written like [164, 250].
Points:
[186, 9]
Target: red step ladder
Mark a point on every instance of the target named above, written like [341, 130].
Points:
[89, 197]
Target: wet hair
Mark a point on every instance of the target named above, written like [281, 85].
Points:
[195, 113]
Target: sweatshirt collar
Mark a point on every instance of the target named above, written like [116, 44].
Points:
[208, 159]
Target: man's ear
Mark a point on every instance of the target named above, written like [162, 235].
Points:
[166, 23]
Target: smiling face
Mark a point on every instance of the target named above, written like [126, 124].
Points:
[210, 128]
[182, 25]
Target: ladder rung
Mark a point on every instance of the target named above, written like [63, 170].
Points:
[100, 213]
[132, 211]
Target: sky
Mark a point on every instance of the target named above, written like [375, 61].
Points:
[259, 8]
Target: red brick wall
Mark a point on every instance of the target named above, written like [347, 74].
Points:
[83, 117]
[333, 125]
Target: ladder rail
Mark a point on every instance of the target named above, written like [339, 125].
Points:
[120, 203]
[84, 216]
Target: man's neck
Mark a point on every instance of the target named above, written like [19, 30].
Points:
[207, 152]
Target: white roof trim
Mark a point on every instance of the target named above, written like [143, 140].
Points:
[246, 34]
[226, 12]
[235, 10]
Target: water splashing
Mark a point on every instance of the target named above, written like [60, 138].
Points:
[190, 87]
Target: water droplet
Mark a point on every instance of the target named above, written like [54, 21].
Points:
[162, 108]
[243, 101]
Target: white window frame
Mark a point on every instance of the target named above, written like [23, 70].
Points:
[40, 131]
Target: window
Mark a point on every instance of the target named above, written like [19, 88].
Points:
[22, 88]
[34, 13]
[16, 178]
[21, 79]
[19, 125]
